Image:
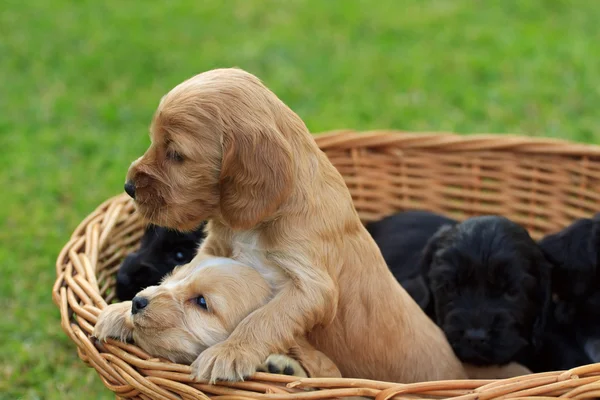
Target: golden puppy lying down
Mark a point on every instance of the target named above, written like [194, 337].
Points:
[226, 149]
[198, 306]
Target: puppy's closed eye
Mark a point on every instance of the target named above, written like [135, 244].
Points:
[500, 285]
[441, 282]
[175, 156]
[443, 278]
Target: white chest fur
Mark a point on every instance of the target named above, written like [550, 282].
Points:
[247, 249]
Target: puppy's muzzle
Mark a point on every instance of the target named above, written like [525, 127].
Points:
[138, 304]
[130, 189]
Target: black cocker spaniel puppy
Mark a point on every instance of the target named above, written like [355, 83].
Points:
[575, 255]
[490, 285]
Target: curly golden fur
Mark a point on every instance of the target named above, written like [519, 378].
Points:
[227, 149]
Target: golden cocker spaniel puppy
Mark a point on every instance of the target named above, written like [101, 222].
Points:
[197, 306]
[228, 150]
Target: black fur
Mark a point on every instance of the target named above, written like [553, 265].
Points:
[559, 349]
[575, 254]
[160, 251]
[431, 255]
[401, 238]
[490, 285]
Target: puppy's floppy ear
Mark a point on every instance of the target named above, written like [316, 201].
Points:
[544, 293]
[114, 322]
[554, 247]
[418, 290]
[256, 175]
[436, 242]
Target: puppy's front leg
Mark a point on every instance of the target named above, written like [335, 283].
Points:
[270, 329]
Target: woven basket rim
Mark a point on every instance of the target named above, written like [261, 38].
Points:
[453, 142]
[76, 279]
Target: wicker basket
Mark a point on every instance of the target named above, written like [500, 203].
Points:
[542, 184]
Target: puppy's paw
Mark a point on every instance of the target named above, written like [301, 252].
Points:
[114, 322]
[226, 361]
[283, 365]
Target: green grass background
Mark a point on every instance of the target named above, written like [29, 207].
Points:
[79, 82]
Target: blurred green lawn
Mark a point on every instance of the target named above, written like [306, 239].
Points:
[80, 81]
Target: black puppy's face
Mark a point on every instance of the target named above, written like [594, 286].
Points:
[575, 255]
[161, 250]
[490, 285]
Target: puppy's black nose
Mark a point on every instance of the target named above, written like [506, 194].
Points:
[476, 335]
[130, 189]
[138, 304]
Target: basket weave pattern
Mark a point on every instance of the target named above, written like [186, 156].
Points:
[540, 183]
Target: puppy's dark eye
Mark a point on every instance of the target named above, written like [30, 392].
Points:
[174, 156]
[201, 301]
[179, 256]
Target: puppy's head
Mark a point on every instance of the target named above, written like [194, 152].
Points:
[575, 255]
[160, 251]
[490, 283]
[195, 307]
[219, 149]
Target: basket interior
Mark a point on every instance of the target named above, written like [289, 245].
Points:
[543, 192]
